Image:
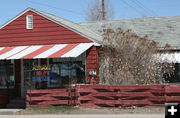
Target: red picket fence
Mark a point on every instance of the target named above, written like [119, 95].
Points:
[49, 97]
[106, 96]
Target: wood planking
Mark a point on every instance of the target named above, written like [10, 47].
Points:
[92, 61]
[117, 96]
[44, 32]
[172, 93]
[48, 97]
[106, 96]
[22, 43]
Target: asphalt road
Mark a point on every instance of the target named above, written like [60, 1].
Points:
[85, 116]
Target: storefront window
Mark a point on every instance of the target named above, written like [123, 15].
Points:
[56, 73]
[66, 71]
[7, 74]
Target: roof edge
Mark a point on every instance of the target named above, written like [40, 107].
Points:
[97, 43]
[69, 27]
[14, 18]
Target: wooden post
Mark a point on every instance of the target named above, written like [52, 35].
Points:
[165, 86]
[103, 11]
[78, 102]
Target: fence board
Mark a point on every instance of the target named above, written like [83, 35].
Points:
[48, 97]
[57, 102]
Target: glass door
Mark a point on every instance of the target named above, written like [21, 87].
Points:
[27, 83]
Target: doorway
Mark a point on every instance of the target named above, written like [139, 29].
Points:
[26, 68]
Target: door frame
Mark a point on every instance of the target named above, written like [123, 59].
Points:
[22, 80]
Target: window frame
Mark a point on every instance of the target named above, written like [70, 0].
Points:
[81, 58]
[29, 24]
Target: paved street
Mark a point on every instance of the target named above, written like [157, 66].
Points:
[84, 116]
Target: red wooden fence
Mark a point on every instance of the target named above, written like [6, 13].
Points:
[106, 96]
[49, 97]
[117, 96]
[172, 93]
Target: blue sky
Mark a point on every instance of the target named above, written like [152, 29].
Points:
[73, 10]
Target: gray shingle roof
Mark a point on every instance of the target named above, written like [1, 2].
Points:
[161, 29]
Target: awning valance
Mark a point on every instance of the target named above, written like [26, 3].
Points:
[44, 51]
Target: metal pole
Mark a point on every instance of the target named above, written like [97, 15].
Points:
[103, 11]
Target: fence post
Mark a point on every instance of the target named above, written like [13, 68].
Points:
[165, 95]
[77, 95]
[27, 99]
[73, 95]
[119, 98]
[70, 96]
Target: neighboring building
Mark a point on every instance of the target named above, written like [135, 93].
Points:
[164, 30]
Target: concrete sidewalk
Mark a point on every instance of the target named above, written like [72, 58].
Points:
[8, 111]
[87, 116]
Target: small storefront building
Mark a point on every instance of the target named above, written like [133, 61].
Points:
[42, 51]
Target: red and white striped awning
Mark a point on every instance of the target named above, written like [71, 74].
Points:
[44, 51]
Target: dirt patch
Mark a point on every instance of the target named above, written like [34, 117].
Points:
[76, 110]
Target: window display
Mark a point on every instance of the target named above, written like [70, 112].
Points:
[28, 72]
[66, 71]
[35, 75]
[56, 73]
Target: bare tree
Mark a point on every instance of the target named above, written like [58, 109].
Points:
[95, 11]
[129, 59]
[144, 15]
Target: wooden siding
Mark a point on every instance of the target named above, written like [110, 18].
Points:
[92, 62]
[44, 32]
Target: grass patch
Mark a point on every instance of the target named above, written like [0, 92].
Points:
[57, 108]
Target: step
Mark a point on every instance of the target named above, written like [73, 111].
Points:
[17, 101]
[16, 106]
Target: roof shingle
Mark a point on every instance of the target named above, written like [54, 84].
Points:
[161, 29]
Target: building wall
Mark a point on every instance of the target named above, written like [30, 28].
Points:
[92, 62]
[44, 32]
